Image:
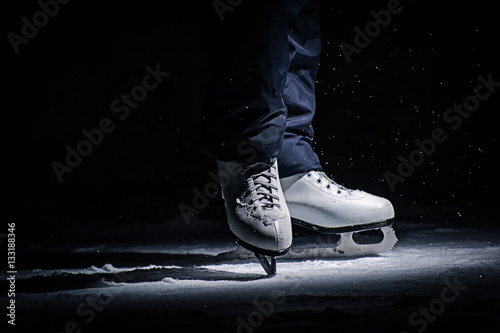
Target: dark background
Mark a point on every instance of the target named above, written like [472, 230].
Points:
[368, 112]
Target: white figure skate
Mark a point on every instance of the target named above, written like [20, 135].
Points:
[257, 213]
[318, 203]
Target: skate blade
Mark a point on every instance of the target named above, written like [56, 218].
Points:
[346, 247]
[269, 266]
[240, 253]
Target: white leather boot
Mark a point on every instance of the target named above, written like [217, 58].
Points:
[257, 213]
[317, 202]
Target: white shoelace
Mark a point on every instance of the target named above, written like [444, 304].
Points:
[330, 182]
[262, 184]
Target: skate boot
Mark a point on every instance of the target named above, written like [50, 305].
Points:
[257, 214]
[318, 203]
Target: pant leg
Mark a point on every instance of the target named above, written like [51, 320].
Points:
[299, 93]
[244, 111]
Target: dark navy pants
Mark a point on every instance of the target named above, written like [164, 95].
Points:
[263, 60]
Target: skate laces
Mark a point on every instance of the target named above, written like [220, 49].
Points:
[330, 182]
[261, 175]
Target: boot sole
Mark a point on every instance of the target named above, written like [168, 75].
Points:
[258, 250]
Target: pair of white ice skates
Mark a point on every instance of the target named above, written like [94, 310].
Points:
[261, 206]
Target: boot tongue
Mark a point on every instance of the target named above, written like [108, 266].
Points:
[257, 168]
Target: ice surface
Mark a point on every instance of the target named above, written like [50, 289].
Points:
[107, 268]
[189, 292]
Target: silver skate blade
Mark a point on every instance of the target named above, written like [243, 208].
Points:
[269, 266]
[346, 247]
[243, 254]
